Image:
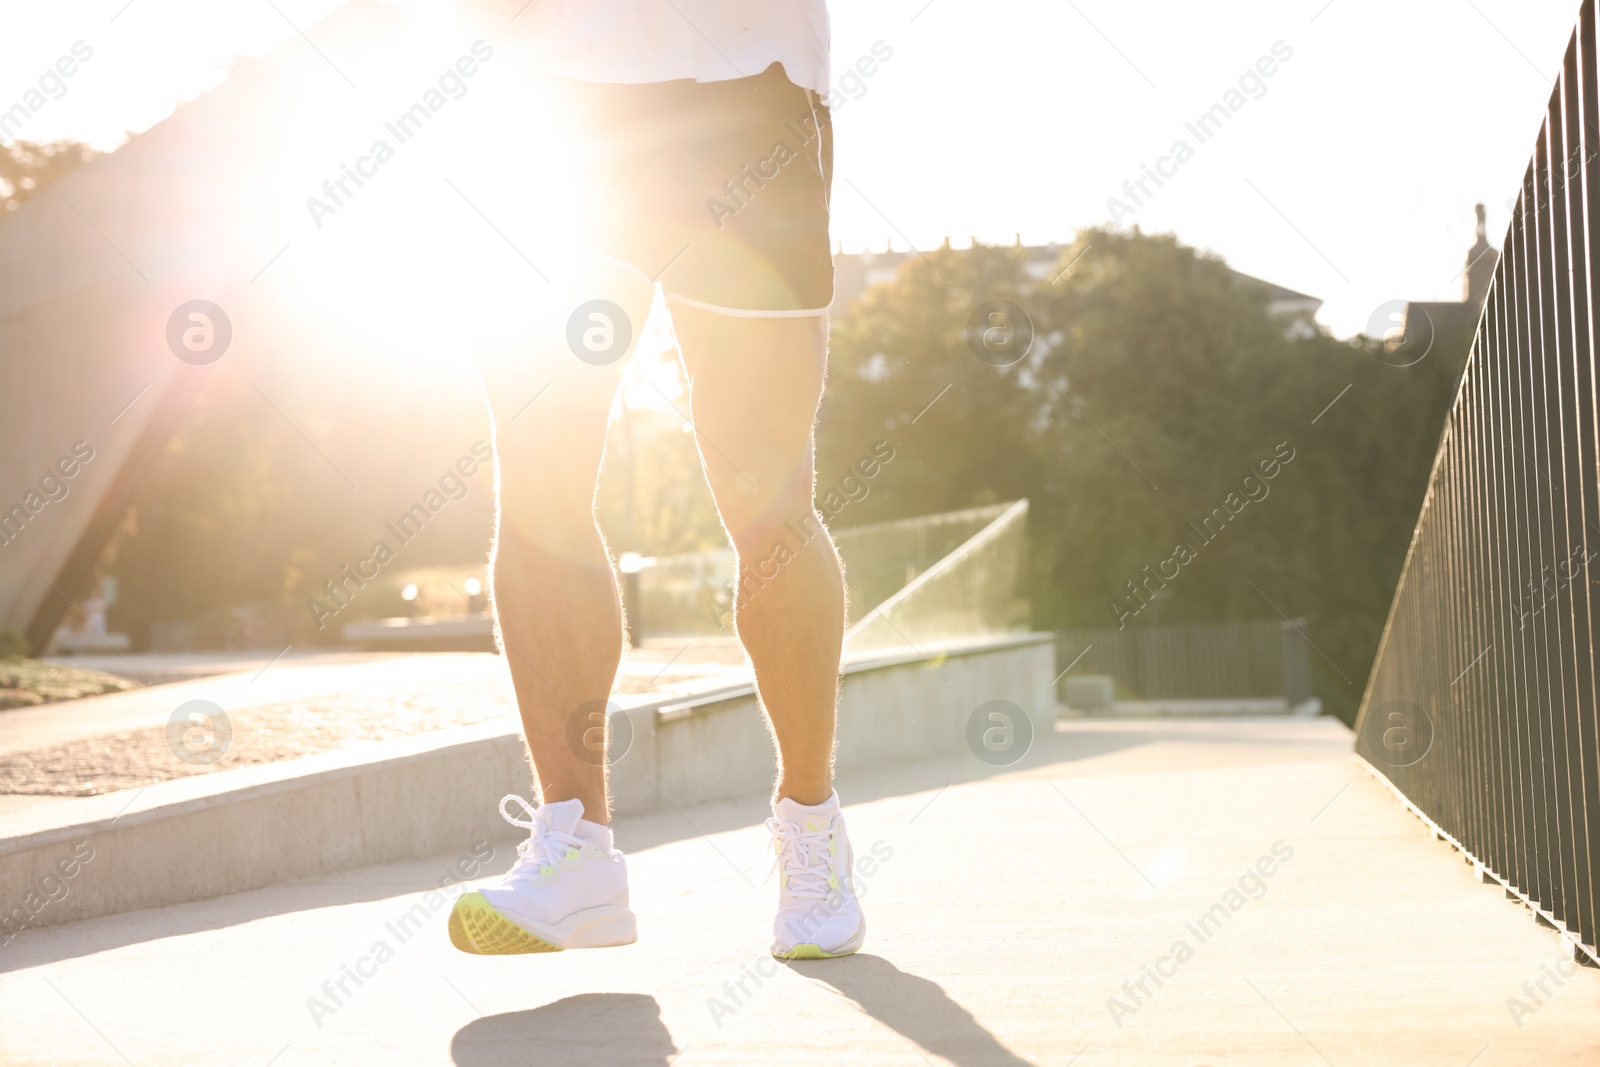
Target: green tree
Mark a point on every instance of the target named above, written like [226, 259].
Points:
[1157, 381]
[652, 497]
[25, 167]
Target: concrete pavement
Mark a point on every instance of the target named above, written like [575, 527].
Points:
[1032, 914]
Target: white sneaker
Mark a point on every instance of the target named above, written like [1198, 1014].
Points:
[819, 916]
[568, 889]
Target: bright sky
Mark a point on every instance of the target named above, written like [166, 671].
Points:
[1352, 178]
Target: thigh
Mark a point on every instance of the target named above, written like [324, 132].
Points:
[755, 384]
[550, 382]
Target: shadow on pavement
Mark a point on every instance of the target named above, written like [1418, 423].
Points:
[915, 1008]
[405, 881]
[610, 1028]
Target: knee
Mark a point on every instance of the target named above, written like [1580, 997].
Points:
[551, 449]
[546, 492]
[752, 467]
[784, 535]
[757, 479]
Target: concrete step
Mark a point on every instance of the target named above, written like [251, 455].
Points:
[408, 797]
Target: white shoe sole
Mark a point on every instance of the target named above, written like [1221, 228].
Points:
[808, 951]
[476, 926]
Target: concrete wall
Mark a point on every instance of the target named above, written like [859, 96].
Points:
[895, 709]
[196, 208]
[91, 270]
[422, 796]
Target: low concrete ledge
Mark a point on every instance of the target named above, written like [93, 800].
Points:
[896, 708]
[419, 796]
[222, 833]
[426, 633]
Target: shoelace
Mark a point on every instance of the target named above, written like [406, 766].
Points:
[544, 846]
[804, 858]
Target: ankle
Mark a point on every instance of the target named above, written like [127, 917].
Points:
[595, 807]
[597, 833]
[806, 794]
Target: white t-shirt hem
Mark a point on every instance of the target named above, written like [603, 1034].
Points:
[632, 42]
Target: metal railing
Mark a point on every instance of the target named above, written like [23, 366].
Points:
[691, 594]
[977, 589]
[1480, 710]
[882, 558]
[1195, 661]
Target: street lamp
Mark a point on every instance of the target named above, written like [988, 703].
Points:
[630, 564]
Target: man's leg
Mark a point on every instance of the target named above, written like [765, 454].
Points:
[755, 385]
[560, 622]
[555, 597]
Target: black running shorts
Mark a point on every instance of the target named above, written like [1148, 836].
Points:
[719, 190]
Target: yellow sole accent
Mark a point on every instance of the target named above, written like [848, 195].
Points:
[477, 928]
[812, 952]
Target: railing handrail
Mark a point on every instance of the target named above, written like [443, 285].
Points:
[1012, 513]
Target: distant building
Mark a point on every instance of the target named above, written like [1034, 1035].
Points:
[1424, 318]
[856, 272]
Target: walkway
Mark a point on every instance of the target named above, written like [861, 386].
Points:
[1290, 910]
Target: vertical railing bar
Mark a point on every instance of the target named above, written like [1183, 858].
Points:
[1547, 809]
[1447, 731]
[1532, 831]
[1478, 771]
[1499, 657]
[1549, 421]
[1587, 433]
[1557, 341]
[1520, 763]
[1465, 768]
[1545, 822]
[1568, 251]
